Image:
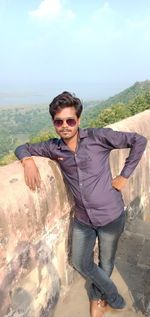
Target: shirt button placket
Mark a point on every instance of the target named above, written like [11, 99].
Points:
[81, 185]
[79, 172]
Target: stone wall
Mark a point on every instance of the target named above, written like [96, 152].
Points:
[33, 241]
[35, 228]
[137, 192]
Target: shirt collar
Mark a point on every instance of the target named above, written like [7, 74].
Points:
[83, 133]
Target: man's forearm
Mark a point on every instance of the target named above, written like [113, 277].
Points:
[31, 173]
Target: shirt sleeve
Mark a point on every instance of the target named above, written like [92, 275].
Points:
[45, 149]
[118, 140]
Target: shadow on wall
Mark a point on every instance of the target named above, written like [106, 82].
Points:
[26, 299]
[133, 257]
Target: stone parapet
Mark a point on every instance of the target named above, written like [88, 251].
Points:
[137, 192]
[33, 241]
[34, 226]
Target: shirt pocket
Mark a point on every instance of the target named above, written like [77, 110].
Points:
[67, 164]
[85, 162]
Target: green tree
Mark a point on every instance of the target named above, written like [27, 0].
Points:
[43, 136]
[110, 115]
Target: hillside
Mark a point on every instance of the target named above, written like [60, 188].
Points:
[127, 95]
[18, 125]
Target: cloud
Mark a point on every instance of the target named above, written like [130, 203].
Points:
[140, 26]
[103, 12]
[102, 26]
[51, 10]
[117, 25]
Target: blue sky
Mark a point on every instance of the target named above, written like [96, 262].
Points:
[93, 48]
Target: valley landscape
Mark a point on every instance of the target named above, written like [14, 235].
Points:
[20, 124]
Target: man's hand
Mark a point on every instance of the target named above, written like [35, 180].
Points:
[119, 182]
[31, 174]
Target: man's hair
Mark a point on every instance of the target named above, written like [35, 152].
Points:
[64, 100]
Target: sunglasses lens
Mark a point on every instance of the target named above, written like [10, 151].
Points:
[58, 123]
[71, 122]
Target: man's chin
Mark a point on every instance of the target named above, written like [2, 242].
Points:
[66, 136]
[65, 133]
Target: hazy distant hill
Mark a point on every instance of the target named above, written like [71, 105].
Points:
[138, 89]
[129, 94]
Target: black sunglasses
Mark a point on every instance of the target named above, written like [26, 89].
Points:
[59, 122]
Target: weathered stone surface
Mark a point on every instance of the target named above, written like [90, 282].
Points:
[33, 236]
[32, 285]
[130, 242]
[140, 226]
[144, 259]
[132, 262]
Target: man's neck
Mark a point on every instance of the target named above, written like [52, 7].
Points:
[72, 142]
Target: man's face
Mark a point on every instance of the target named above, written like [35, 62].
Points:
[66, 123]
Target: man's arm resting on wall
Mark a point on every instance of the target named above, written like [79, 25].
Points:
[25, 152]
[31, 173]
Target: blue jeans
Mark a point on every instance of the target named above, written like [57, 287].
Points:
[83, 242]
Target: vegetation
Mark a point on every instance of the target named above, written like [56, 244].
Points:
[139, 89]
[22, 125]
[121, 111]
[43, 135]
[19, 125]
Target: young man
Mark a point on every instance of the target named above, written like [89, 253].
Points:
[99, 208]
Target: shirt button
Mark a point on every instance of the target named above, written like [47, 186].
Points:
[81, 184]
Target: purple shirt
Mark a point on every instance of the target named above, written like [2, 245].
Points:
[87, 171]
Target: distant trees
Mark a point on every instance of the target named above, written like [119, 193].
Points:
[8, 156]
[19, 125]
[111, 115]
[139, 104]
[43, 136]
[121, 111]
[7, 159]
[139, 89]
